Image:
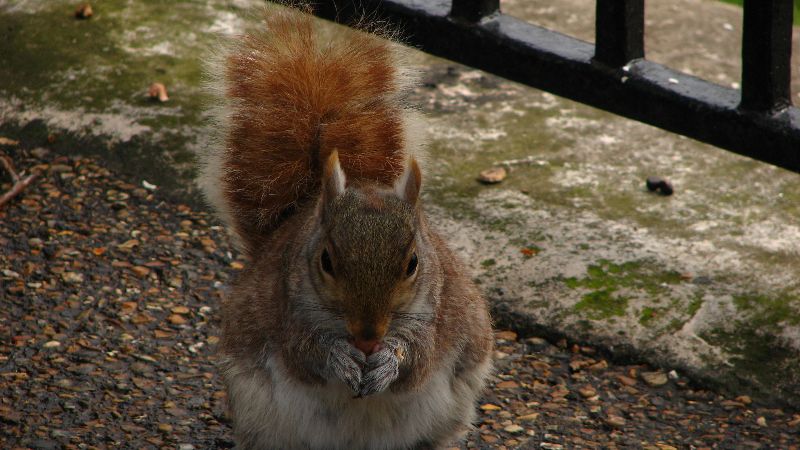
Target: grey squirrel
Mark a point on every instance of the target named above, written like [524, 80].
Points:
[353, 325]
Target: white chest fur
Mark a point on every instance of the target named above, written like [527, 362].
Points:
[271, 410]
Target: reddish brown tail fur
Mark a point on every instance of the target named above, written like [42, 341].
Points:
[293, 98]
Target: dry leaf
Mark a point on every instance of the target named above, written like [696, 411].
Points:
[84, 11]
[158, 92]
[493, 175]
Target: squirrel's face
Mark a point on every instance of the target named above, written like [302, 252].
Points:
[365, 262]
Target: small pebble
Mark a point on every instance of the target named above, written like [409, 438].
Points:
[587, 392]
[176, 319]
[505, 335]
[60, 434]
[498, 355]
[654, 379]
[140, 271]
[72, 277]
[614, 421]
[9, 142]
[45, 444]
[659, 185]
[600, 365]
[551, 446]
[537, 344]
[489, 438]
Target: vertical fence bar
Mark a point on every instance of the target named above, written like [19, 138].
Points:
[474, 10]
[619, 31]
[766, 54]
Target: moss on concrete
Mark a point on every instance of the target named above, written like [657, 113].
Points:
[86, 82]
[603, 304]
[769, 311]
[612, 285]
[101, 64]
[695, 304]
[649, 315]
[759, 359]
[460, 158]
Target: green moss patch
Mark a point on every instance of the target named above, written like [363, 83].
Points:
[649, 315]
[760, 360]
[603, 303]
[105, 62]
[89, 80]
[612, 285]
[769, 311]
[695, 304]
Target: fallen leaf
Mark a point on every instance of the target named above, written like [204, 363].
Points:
[158, 92]
[493, 175]
[84, 11]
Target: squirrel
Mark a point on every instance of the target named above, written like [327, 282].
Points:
[352, 326]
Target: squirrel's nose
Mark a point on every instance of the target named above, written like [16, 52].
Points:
[368, 346]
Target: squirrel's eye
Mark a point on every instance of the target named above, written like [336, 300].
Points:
[412, 265]
[325, 261]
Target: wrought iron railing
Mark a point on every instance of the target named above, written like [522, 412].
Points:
[758, 121]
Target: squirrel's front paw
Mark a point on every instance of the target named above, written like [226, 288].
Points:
[383, 367]
[345, 363]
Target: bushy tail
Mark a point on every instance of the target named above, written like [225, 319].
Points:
[290, 97]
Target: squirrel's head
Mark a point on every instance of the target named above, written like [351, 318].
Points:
[365, 262]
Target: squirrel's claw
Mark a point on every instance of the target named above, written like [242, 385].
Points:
[383, 368]
[345, 363]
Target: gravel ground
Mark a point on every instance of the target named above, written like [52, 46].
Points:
[108, 302]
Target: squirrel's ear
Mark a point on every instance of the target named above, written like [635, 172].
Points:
[333, 179]
[407, 186]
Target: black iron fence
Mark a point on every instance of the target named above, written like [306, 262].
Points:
[758, 121]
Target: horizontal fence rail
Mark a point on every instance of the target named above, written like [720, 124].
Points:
[760, 122]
